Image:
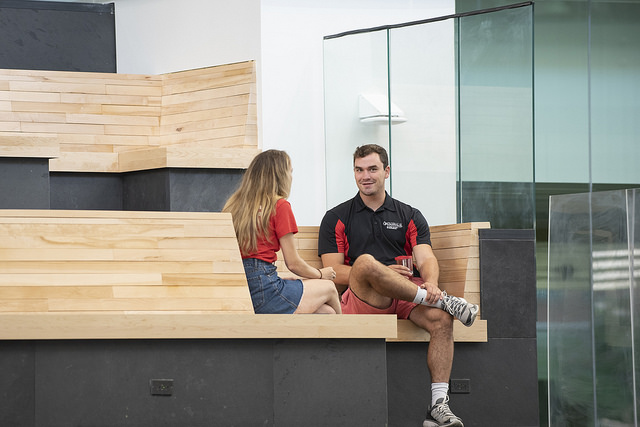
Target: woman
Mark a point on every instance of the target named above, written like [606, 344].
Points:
[264, 223]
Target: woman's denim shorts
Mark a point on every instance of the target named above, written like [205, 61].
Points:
[270, 293]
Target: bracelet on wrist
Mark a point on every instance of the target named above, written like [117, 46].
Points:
[319, 272]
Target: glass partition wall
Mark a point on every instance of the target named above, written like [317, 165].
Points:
[594, 308]
[451, 99]
[588, 77]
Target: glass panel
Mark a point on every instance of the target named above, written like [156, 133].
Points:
[561, 133]
[423, 149]
[592, 289]
[570, 361]
[611, 309]
[633, 201]
[356, 90]
[615, 93]
[496, 118]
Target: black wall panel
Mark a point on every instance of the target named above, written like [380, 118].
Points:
[24, 183]
[218, 382]
[97, 191]
[191, 190]
[17, 397]
[58, 36]
[202, 190]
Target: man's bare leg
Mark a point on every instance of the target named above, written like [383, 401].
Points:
[439, 361]
[439, 324]
[376, 284]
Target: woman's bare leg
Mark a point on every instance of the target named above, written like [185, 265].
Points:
[319, 296]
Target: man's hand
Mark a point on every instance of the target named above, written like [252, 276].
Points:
[401, 269]
[434, 293]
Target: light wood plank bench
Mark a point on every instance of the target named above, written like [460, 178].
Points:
[137, 275]
[107, 122]
[455, 246]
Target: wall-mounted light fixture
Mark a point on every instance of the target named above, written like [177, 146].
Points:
[374, 108]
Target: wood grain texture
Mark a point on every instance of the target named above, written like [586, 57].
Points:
[86, 122]
[92, 325]
[116, 261]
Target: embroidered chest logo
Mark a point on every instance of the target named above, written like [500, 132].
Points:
[392, 225]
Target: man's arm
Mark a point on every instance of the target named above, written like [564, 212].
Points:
[336, 260]
[427, 265]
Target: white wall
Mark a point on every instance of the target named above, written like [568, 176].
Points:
[292, 79]
[285, 37]
[162, 36]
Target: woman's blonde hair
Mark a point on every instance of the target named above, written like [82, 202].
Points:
[266, 180]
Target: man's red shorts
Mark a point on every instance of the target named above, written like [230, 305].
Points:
[351, 304]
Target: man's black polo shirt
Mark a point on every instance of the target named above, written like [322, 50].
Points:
[354, 229]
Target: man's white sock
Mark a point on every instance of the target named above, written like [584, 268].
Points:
[438, 391]
[421, 296]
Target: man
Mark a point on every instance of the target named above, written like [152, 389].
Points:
[360, 239]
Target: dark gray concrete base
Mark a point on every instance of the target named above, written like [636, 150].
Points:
[320, 382]
[502, 378]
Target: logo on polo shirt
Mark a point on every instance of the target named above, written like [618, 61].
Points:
[392, 225]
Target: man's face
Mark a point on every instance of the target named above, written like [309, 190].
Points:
[370, 175]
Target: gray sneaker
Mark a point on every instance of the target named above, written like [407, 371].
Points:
[439, 415]
[460, 309]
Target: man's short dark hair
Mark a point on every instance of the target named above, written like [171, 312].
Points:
[365, 150]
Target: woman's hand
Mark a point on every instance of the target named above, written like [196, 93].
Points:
[327, 273]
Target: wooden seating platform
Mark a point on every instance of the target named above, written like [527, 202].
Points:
[456, 247]
[107, 122]
[133, 275]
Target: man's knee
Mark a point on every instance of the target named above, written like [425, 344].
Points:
[364, 259]
[433, 320]
[363, 264]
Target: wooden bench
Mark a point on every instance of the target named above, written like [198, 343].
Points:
[107, 122]
[455, 246]
[138, 275]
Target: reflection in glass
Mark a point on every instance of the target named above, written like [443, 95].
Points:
[496, 118]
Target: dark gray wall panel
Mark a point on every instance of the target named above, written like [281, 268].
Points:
[147, 190]
[409, 383]
[24, 183]
[17, 400]
[191, 190]
[57, 36]
[194, 190]
[330, 383]
[504, 383]
[202, 190]
[508, 277]
[502, 375]
[283, 383]
[106, 383]
[92, 191]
